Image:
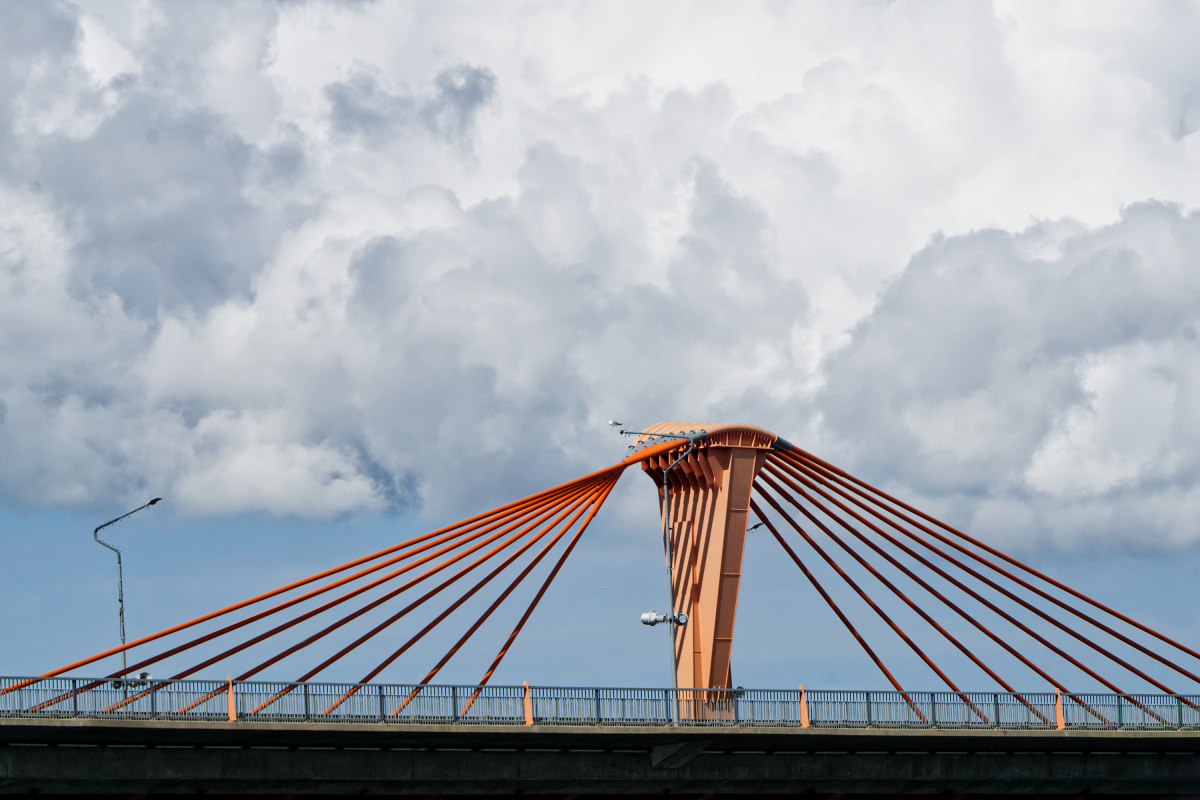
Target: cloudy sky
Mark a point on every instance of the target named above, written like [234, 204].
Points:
[322, 273]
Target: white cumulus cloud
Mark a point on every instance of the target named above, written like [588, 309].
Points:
[322, 258]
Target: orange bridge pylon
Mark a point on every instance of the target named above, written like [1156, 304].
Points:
[710, 509]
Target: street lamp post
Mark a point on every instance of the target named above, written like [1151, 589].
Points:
[672, 618]
[120, 576]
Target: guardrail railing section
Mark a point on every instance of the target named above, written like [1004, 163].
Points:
[1131, 711]
[224, 701]
[595, 706]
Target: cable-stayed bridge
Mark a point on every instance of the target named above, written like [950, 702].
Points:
[1133, 728]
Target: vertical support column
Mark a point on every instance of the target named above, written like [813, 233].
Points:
[804, 722]
[528, 705]
[231, 702]
[714, 505]
[1060, 719]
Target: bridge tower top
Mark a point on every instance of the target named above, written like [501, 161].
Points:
[720, 434]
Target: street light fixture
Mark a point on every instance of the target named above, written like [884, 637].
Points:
[120, 576]
[655, 618]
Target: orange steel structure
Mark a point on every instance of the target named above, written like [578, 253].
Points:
[712, 478]
[710, 509]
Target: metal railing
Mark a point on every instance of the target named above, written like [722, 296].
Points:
[545, 705]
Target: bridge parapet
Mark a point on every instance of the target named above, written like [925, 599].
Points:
[391, 704]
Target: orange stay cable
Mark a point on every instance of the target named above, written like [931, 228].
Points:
[1058, 651]
[648, 452]
[513, 519]
[542, 514]
[875, 512]
[457, 603]
[542, 591]
[874, 507]
[512, 586]
[850, 581]
[537, 598]
[920, 582]
[825, 595]
[362, 610]
[1061, 653]
[514, 516]
[829, 600]
[518, 514]
[457, 539]
[642, 455]
[1024, 628]
[890, 586]
[564, 510]
[594, 502]
[989, 583]
[1097, 604]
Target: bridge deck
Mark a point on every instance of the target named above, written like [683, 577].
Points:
[84, 756]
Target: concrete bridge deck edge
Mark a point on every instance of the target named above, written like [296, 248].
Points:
[160, 757]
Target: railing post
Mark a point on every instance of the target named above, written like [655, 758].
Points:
[528, 704]
[307, 713]
[597, 706]
[1060, 718]
[736, 717]
[232, 704]
[804, 720]
[382, 704]
[74, 697]
[153, 701]
[869, 710]
[933, 709]
[1120, 712]
[996, 707]
[453, 704]
[1179, 705]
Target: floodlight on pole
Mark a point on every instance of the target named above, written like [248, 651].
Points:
[120, 575]
[655, 618]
